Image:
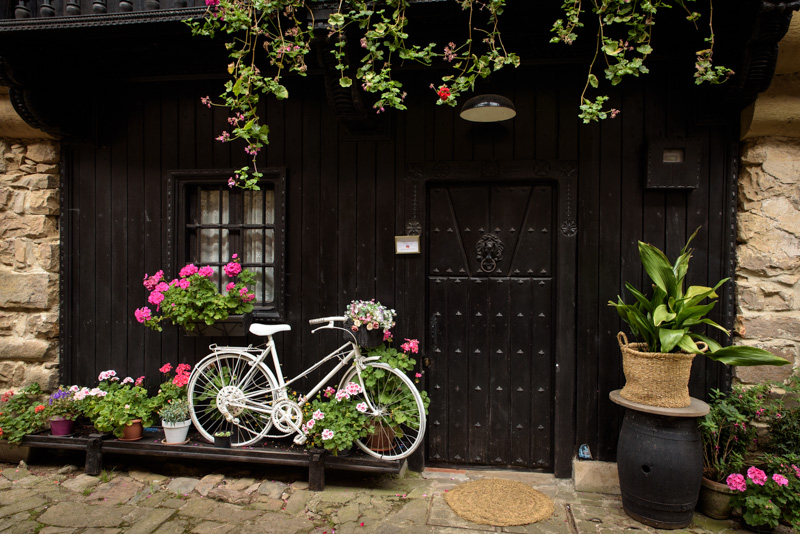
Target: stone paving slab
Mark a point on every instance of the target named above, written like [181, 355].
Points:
[51, 500]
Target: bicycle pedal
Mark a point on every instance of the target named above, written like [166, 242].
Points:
[300, 439]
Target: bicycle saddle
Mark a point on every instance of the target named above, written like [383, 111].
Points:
[268, 329]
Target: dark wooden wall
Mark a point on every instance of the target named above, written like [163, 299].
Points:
[347, 198]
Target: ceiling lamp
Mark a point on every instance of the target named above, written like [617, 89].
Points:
[488, 108]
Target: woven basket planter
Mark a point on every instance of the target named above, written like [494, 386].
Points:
[655, 378]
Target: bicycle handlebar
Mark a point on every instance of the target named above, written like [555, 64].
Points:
[325, 320]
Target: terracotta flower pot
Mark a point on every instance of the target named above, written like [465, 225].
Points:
[381, 438]
[133, 430]
[715, 499]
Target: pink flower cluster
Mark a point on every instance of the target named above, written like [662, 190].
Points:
[411, 345]
[757, 475]
[107, 375]
[182, 373]
[143, 314]
[736, 482]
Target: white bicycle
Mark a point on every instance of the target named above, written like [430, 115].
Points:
[232, 389]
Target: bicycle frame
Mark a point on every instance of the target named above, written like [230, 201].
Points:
[350, 350]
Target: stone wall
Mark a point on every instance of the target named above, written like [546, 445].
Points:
[29, 262]
[768, 254]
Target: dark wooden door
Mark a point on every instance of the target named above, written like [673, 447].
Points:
[490, 300]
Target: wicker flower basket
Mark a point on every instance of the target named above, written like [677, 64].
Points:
[655, 378]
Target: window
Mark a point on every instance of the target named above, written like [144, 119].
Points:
[214, 222]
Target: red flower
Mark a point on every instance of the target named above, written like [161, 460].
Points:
[443, 92]
[38, 408]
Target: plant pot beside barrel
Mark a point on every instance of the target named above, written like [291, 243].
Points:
[715, 499]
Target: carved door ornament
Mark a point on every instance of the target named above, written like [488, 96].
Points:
[489, 250]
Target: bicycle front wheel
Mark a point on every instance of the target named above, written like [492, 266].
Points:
[395, 410]
[231, 382]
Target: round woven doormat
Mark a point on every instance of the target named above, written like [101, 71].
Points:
[500, 503]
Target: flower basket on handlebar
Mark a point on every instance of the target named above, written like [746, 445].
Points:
[369, 339]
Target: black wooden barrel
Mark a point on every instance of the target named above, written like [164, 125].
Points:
[660, 464]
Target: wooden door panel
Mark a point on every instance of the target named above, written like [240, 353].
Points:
[490, 334]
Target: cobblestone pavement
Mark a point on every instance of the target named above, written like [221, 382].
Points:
[168, 498]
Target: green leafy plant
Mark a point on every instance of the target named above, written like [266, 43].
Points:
[116, 403]
[767, 498]
[283, 30]
[222, 434]
[623, 41]
[334, 422]
[727, 430]
[175, 411]
[667, 321]
[21, 413]
[195, 297]
[784, 427]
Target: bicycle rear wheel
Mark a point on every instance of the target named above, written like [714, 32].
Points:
[222, 378]
[397, 421]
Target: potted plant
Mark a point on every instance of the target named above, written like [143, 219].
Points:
[370, 322]
[222, 439]
[175, 420]
[727, 432]
[120, 406]
[173, 387]
[20, 414]
[769, 497]
[666, 325]
[63, 407]
[383, 431]
[334, 420]
[194, 302]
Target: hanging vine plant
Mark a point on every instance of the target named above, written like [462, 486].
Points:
[284, 30]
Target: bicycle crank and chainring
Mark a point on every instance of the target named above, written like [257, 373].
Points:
[287, 416]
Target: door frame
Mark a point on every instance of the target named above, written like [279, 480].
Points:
[564, 174]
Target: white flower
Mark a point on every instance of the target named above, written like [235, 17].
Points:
[127, 406]
[318, 415]
[74, 389]
[361, 407]
[342, 394]
[352, 388]
[327, 434]
[127, 380]
[310, 424]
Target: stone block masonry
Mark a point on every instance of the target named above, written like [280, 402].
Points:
[29, 263]
[768, 254]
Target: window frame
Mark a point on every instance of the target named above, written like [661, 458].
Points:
[179, 183]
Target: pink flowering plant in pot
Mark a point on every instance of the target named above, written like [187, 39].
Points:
[769, 497]
[334, 420]
[194, 296]
[114, 403]
[173, 387]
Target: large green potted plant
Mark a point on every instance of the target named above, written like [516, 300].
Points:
[667, 328]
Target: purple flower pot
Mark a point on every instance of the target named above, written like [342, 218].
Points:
[61, 427]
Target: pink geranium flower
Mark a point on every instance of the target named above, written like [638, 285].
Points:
[232, 269]
[780, 479]
[757, 476]
[736, 482]
[206, 271]
[189, 270]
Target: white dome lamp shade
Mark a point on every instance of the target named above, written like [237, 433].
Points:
[488, 108]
